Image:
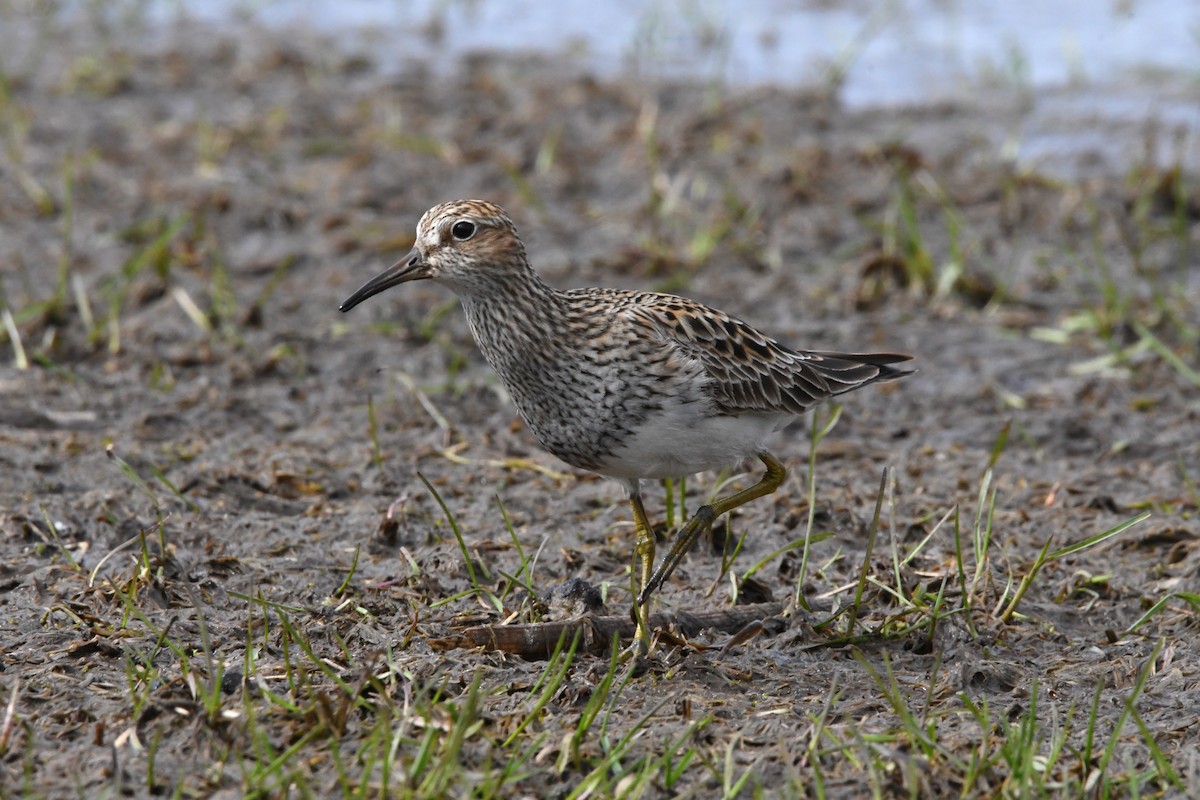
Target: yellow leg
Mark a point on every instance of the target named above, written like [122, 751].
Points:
[642, 569]
[702, 521]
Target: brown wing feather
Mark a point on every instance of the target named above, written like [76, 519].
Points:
[752, 372]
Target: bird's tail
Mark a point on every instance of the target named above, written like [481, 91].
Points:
[847, 371]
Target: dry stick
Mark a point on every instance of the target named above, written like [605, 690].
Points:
[9, 714]
[539, 641]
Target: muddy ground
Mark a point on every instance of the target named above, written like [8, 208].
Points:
[182, 214]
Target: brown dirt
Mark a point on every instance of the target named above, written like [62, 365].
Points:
[296, 174]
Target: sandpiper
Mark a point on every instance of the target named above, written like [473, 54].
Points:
[632, 385]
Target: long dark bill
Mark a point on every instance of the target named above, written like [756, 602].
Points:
[410, 268]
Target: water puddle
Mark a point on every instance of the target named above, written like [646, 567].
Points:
[1095, 73]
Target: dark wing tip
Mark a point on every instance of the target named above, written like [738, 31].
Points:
[852, 370]
[884, 361]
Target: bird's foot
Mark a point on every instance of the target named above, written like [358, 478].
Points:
[635, 653]
[685, 540]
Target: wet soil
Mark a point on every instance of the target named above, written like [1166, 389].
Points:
[215, 196]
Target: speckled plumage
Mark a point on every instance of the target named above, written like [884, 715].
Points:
[632, 385]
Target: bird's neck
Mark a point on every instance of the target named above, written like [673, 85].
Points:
[515, 320]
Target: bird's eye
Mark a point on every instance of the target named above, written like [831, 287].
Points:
[463, 230]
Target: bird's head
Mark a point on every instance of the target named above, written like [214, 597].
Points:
[470, 246]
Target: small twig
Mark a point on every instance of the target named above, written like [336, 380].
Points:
[451, 454]
[538, 641]
[9, 714]
[426, 403]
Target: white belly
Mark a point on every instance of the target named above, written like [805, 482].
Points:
[676, 444]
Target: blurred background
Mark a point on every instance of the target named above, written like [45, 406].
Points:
[880, 52]
[1114, 61]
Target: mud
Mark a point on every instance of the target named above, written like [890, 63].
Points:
[215, 196]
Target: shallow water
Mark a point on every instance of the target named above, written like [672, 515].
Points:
[888, 52]
[1099, 80]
